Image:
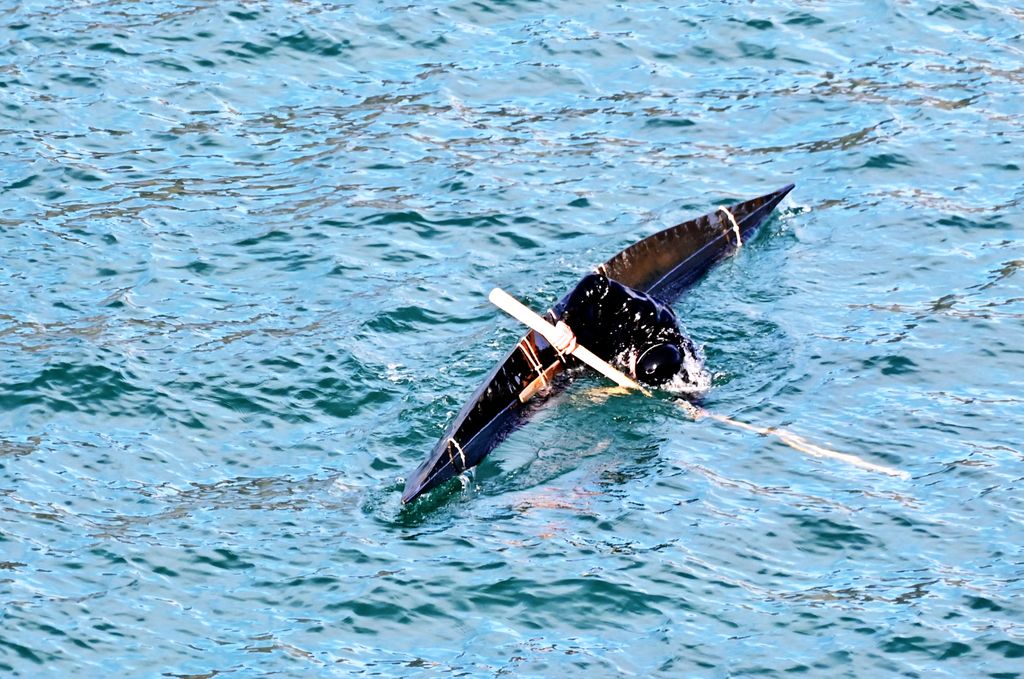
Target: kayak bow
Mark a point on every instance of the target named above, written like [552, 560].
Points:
[664, 265]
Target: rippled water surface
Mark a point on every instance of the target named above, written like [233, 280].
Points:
[245, 254]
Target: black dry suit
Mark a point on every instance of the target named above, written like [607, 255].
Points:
[631, 330]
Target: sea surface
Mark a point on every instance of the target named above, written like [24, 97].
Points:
[245, 249]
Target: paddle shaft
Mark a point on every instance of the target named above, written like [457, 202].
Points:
[513, 307]
[530, 318]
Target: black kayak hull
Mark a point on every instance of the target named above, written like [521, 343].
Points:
[664, 265]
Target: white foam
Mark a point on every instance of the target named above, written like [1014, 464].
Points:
[699, 382]
[693, 365]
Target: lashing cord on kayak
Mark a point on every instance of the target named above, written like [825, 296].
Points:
[735, 226]
[533, 359]
[462, 454]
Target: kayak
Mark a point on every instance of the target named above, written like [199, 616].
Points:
[663, 265]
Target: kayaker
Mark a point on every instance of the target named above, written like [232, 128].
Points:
[633, 331]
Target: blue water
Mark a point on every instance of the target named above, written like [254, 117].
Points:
[245, 255]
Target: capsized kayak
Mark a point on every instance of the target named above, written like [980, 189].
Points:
[664, 265]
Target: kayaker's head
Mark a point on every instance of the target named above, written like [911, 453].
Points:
[658, 364]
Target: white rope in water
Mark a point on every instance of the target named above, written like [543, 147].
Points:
[795, 442]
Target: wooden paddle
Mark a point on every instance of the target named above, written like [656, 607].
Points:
[519, 311]
[524, 314]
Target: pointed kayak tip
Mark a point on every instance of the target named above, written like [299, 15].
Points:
[413, 489]
[777, 196]
[433, 472]
[752, 213]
